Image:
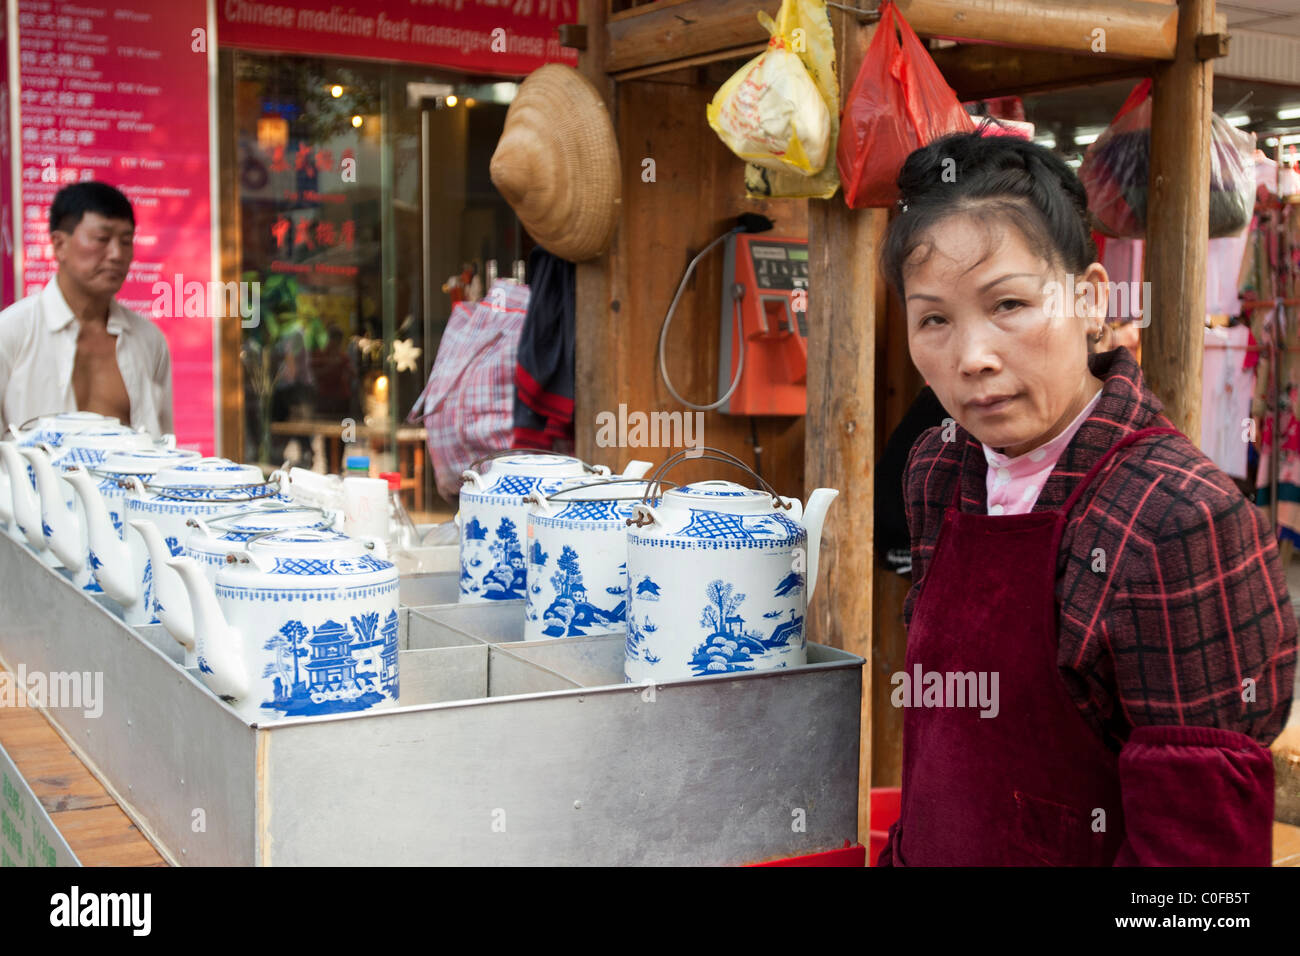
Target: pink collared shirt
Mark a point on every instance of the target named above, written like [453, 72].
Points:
[1014, 483]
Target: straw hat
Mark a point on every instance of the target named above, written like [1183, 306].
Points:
[557, 163]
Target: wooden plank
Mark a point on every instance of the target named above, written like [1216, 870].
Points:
[1178, 222]
[98, 832]
[982, 71]
[1286, 774]
[663, 34]
[1286, 845]
[845, 296]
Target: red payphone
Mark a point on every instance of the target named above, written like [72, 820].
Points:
[763, 350]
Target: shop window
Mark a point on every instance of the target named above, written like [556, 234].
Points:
[364, 211]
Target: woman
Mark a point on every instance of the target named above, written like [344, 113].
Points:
[1072, 552]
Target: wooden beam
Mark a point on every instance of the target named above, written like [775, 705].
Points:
[1132, 28]
[839, 441]
[981, 70]
[1177, 237]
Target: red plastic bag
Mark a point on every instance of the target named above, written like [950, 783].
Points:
[898, 104]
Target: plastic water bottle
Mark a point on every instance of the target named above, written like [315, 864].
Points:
[402, 536]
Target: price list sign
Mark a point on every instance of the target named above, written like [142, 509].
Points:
[119, 94]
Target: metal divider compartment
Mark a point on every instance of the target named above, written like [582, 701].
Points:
[502, 752]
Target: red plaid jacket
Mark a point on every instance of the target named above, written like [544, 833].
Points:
[1192, 603]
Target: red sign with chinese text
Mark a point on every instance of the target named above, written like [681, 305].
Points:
[503, 37]
[120, 95]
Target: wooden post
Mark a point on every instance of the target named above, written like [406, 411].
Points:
[598, 359]
[1178, 201]
[839, 443]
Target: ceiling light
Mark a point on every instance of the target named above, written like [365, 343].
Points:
[470, 101]
[451, 100]
[1083, 139]
[1290, 113]
[1049, 141]
[1289, 140]
[504, 92]
[336, 91]
[1238, 119]
[357, 121]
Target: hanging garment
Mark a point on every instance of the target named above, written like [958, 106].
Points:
[1266, 328]
[1227, 387]
[1123, 260]
[1222, 272]
[1018, 778]
[544, 370]
[466, 404]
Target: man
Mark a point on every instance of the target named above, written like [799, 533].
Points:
[72, 346]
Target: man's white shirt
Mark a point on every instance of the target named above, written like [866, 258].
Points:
[38, 348]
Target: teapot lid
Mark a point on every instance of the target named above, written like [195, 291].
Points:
[103, 438]
[243, 525]
[209, 473]
[143, 461]
[311, 553]
[725, 496]
[52, 428]
[538, 466]
[210, 480]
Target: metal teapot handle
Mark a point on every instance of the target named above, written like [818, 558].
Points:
[656, 482]
[555, 495]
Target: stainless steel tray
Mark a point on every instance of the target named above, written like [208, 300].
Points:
[503, 751]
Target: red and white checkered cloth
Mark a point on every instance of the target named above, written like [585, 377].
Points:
[468, 403]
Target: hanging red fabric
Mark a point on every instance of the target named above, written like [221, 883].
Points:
[899, 103]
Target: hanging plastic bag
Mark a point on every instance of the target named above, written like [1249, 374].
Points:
[816, 49]
[1117, 167]
[899, 103]
[770, 112]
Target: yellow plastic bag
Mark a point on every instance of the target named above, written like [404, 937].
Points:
[771, 111]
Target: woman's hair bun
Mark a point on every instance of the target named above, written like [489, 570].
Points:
[961, 171]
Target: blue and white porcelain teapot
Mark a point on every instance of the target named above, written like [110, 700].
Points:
[299, 623]
[197, 488]
[62, 520]
[101, 497]
[493, 517]
[719, 577]
[19, 503]
[577, 558]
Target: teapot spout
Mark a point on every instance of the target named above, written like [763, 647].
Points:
[26, 506]
[171, 596]
[58, 520]
[221, 658]
[814, 516]
[636, 469]
[110, 558]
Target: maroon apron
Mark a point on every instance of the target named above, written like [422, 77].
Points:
[1034, 785]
